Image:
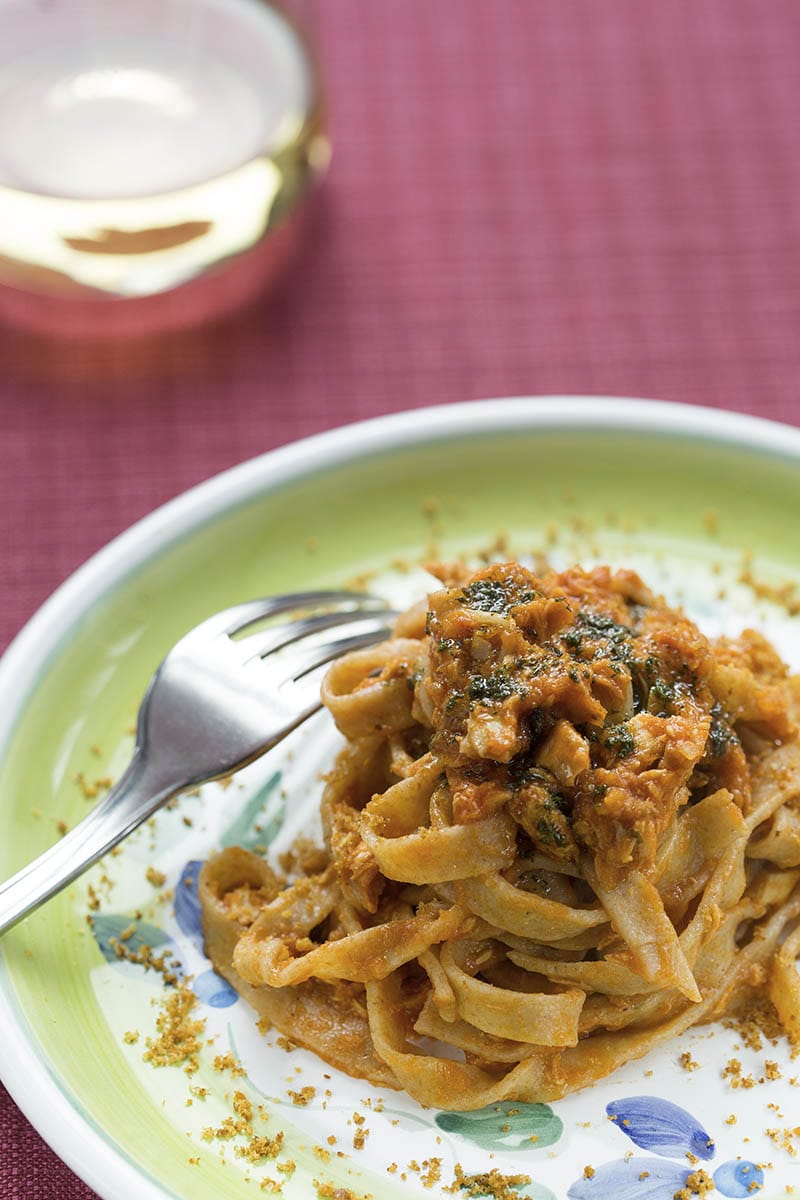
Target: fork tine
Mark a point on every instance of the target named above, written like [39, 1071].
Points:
[205, 713]
[240, 616]
[358, 641]
[299, 675]
[259, 645]
[298, 660]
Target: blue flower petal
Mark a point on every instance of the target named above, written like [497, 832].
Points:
[661, 1126]
[187, 903]
[212, 989]
[632, 1179]
[737, 1177]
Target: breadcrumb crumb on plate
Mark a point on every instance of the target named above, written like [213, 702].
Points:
[74, 680]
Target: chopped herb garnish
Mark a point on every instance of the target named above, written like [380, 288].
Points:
[549, 832]
[538, 722]
[664, 695]
[495, 595]
[487, 595]
[615, 639]
[720, 735]
[412, 679]
[573, 638]
[521, 774]
[491, 687]
[620, 739]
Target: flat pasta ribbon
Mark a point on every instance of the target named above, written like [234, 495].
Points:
[563, 828]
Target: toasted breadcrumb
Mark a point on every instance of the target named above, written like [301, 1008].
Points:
[261, 1147]
[359, 1138]
[242, 1107]
[785, 1138]
[732, 1071]
[784, 594]
[179, 1033]
[226, 1062]
[699, 1183]
[143, 955]
[489, 1183]
[429, 1170]
[224, 1131]
[92, 788]
[758, 1022]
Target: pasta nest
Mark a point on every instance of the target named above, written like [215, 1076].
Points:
[563, 828]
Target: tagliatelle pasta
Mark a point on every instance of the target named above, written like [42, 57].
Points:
[564, 827]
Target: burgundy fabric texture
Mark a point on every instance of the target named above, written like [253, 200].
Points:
[527, 196]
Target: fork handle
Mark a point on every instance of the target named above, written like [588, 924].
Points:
[133, 799]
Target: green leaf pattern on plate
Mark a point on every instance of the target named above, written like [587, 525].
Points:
[505, 1126]
[260, 819]
[70, 1013]
[109, 927]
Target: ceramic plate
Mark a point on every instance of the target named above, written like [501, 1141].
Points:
[705, 505]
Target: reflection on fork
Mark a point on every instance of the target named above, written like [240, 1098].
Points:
[221, 698]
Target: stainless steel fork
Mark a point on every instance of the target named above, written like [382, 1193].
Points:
[216, 703]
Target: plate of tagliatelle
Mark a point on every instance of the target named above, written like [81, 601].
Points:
[516, 914]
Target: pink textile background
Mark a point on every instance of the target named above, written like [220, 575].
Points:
[527, 196]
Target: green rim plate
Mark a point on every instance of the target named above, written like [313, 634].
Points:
[684, 495]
